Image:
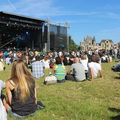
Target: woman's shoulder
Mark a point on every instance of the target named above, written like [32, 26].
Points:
[10, 84]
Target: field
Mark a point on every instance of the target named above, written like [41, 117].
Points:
[89, 100]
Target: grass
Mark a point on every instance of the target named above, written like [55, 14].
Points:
[90, 100]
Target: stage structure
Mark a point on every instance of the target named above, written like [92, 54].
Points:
[25, 32]
[58, 37]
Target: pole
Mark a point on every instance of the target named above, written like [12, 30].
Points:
[48, 36]
[67, 26]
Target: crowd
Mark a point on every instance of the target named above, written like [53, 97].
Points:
[21, 99]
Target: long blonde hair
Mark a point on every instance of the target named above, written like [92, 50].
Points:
[22, 79]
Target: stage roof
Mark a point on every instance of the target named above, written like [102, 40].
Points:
[10, 19]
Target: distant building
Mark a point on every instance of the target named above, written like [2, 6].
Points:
[116, 45]
[106, 44]
[88, 43]
[98, 46]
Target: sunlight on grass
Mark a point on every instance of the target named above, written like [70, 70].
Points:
[89, 100]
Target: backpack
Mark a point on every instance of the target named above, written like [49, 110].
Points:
[51, 79]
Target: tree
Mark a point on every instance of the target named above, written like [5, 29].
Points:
[119, 45]
[72, 45]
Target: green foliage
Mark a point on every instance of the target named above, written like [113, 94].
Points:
[72, 45]
[89, 100]
[119, 45]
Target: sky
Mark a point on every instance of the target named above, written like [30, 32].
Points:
[99, 18]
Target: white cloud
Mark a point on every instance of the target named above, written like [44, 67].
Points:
[47, 8]
[29, 7]
[40, 8]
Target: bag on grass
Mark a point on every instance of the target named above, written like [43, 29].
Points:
[51, 79]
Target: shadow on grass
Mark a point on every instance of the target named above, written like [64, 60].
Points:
[117, 117]
[114, 110]
[117, 78]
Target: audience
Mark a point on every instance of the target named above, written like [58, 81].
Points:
[20, 87]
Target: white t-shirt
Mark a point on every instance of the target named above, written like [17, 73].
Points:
[46, 63]
[3, 114]
[96, 68]
[85, 64]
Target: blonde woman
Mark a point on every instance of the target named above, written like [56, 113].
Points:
[20, 90]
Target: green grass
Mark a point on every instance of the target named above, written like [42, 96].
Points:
[90, 100]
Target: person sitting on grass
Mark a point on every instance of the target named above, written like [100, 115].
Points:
[38, 67]
[77, 72]
[46, 62]
[95, 69]
[59, 70]
[21, 91]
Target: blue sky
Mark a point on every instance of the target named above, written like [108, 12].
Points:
[99, 18]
